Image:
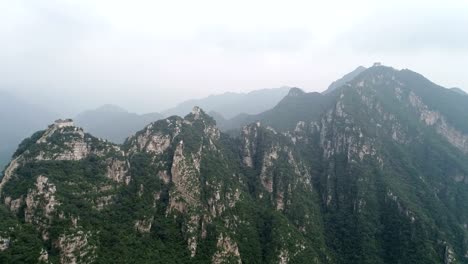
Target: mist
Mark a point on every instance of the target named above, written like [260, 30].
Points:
[148, 56]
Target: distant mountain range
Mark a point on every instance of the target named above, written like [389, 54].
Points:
[116, 124]
[18, 119]
[228, 105]
[113, 123]
[296, 105]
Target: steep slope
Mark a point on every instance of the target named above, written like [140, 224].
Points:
[114, 123]
[387, 176]
[280, 176]
[229, 105]
[294, 107]
[18, 119]
[343, 80]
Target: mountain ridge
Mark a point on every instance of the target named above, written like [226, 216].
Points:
[230, 104]
[343, 80]
[113, 122]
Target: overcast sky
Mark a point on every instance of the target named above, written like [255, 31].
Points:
[149, 55]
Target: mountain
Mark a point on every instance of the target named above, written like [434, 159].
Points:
[113, 122]
[229, 105]
[343, 80]
[458, 90]
[18, 119]
[376, 171]
[294, 107]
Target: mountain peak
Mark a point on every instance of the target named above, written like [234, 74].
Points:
[197, 111]
[61, 127]
[110, 108]
[346, 78]
[64, 123]
[198, 114]
[296, 92]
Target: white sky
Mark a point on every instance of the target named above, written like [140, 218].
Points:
[149, 55]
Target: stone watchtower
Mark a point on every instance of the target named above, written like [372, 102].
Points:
[64, 123]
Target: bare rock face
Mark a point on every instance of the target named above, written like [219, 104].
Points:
[103, 201]
[45, 190]
[13, 204]
[75, 248]
[460, 178]
[144, 226]
[185, 197]
[4, 243]
[227, 251]
[75, 148]
[78, 151]
[272, 152]
[283, 257]
[159, 144]
[117, 170]
[197, 112]
[41, 202]
[14, 164]
[340, 134]
[185, 173]
[449, 256]
[403, 210]
[218, 204]
[192, 227]
[351, 140]
[157, 137]
[439, 122]
[164, 176]
[156, 144]
[269, 158]
[44, 256]
[248, 146]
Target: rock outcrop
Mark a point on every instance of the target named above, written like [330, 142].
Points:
[75, 248]
[227, 251]
[435, 119]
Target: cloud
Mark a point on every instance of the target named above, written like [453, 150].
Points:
[411, 30]
[259, 40]
[149, 55]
